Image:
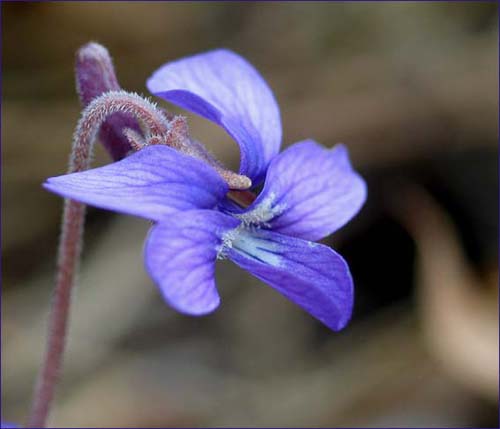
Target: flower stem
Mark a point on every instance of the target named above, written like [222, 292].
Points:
[69, 255]
[70, 243]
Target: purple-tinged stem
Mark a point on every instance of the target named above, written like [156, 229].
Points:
[70, 244]
[69, 255]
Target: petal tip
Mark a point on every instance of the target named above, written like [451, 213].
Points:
[50, 185]
[342, 322]
[195, 309]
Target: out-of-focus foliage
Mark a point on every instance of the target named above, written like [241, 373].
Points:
[410, 88]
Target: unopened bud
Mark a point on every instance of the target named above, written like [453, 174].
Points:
[95, 75]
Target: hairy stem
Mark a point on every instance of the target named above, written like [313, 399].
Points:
[70, 243]
[69, 255]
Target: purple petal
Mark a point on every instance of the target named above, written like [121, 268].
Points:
[180, 256]
[224, 88]
[312, 190]
[152, 183]
[309, 274]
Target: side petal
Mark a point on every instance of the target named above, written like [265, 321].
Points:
[180, 256]
[224, 88]
[311, 191]
[152, 183]
[310, 274]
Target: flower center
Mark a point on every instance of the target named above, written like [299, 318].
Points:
[248, 240]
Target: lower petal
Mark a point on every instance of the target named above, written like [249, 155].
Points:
[310, 274]
[180, 256]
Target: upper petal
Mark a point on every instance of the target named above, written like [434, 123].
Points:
[224, 88]
[311, 191]
[152, 183]
[180, 256]
[309, 274]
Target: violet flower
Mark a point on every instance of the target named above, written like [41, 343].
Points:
[309, 193]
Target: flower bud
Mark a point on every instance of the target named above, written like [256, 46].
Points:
[95, 75]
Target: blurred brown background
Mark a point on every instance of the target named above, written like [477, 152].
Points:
[411, 88]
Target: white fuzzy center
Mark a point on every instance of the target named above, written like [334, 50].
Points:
[252, 246]
[245, 238]
[261, 215]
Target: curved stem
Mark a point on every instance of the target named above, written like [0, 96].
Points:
[70, 243]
